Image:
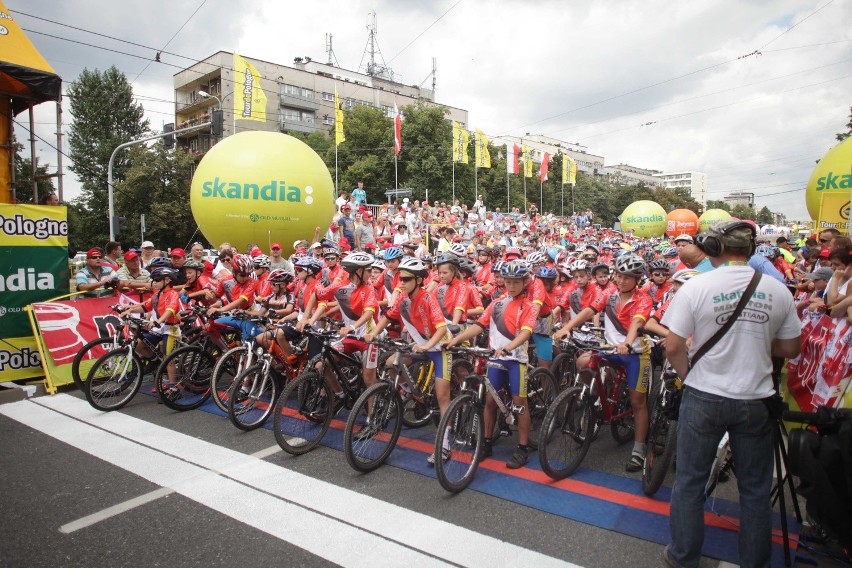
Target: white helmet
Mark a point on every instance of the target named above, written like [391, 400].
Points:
[579, 265]
[683, 276]
[536, 257]
[458, 249]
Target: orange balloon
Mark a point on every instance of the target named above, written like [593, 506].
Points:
[680, 222]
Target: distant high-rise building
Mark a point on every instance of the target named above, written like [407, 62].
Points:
[695, 182]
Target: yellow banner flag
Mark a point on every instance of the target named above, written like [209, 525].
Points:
[338, 121]
[480, 150]
[528, 161]
[569, 170]
[461, 138]
[249, 98]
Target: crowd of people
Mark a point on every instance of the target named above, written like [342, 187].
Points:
[445, 274]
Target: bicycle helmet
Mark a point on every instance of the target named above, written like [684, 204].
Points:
[458, 249]
[378, 263]
[512, 251]
[447, 258]
[659, 264]
[159, 262]
[630, 265]
[393, 253]
[670, 251]
[515, 269]
[546, 273]
[600, 266]
[570, 246]
[243, 263]
[578, 265]
[648, 256]
[330, 249]
[481, 249]
[467, 266]
[683, 276]
[427, 258]
[311, 264]
[415, 266]
[763, 250]
[194, 264]
[356, 261]
[495, 268]
[162, 272]
[280, 276]
[535, 258]
[594, 249]
[261, 261]
[564, 270]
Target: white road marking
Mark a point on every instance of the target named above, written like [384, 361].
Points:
[104, 514]
[286, 504]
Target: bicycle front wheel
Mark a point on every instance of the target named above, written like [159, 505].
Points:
[228, 367]
[183, 378]
[566, 433]
[301, 416]
[622, 427]
[564, 369]
[88, 355]
[459, 443]
[252, 397]
[541, 390]
[418, 408]
[662, 445]
[373, 427]
[114, 379]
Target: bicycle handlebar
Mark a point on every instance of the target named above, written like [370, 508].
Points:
[824, 416]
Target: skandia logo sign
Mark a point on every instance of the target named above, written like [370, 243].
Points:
[27, 279]
[275, 190]
[644, 219]
[44, 228]
[834, 181]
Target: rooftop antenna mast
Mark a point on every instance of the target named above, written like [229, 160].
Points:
[374, 69]
[332, 58]
[434, 75]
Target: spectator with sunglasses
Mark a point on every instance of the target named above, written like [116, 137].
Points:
[94, 278]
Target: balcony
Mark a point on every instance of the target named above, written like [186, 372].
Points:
[295, 101]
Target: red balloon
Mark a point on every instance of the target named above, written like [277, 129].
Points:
[681, 221]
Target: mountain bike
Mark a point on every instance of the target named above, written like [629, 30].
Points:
[662, 432]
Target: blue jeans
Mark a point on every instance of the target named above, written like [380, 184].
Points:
[704, 418]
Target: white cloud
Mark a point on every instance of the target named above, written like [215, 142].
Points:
[542, 67]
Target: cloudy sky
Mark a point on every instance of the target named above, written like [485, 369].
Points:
[749, 92]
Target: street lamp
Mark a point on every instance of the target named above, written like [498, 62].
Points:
[206, 95]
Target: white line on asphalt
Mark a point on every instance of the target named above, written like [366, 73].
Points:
[281, 502]
[104, 514]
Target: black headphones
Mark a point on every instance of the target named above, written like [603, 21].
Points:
[713, 246]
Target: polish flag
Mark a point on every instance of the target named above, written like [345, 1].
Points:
[513, 152]
[545, 163]
[397, 130]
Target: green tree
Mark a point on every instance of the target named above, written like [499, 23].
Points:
[104, 117]
[367, 154]
[841, 136]
[764, 216]
[24, 178]
[157, 185]
[718, 204]
[742, 211]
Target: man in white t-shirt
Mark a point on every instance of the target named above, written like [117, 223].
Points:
[725, 391]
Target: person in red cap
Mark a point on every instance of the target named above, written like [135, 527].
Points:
[277, 261]
[346, 224]
[255, 252]
[132, 275]
[366, 232]
[93, 278]
[178, 256]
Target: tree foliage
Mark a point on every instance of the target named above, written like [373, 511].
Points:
[841, 136]
[24, 178]
[104, 117]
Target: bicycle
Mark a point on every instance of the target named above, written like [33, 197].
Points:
[564, 365]
[575, 416]
[304, 410]
[662, 432]
[462, 426]
[254, 392]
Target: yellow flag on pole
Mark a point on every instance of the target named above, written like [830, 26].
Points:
[480, 150]
[338, 121]
[569, 170]
[249, 98]
[461, 138]
[528, 161]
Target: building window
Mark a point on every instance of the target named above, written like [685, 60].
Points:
[290, 114]
[193, 145]
[328, 120]
[328, 97]
[215, 86]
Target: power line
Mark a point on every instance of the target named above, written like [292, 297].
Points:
[157, 57]
[796, 24]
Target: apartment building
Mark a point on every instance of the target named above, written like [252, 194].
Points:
[695, 182]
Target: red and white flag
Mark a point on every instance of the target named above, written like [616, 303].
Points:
[397, 130]
[513, 164]
[545, 163]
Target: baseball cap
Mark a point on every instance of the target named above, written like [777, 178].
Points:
[179, 252]
[93, 252]
[316, 245]
[255, 251]
[821, 273]
[297, 244]
[684, 237]
[367, 215]
[147, 244]
[275, 246]
[130, 255]
[741, 237]
[346, 206]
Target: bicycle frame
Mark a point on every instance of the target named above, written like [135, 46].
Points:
[599, 366]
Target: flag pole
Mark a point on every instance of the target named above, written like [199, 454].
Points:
[454, 181]
[336, 180]
[395, 172]
[508, 206]
[526, 209]
[541, 195]
[573, 209]
[475, 180]
[562, 208]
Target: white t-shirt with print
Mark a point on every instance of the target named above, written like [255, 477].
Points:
[739, 366]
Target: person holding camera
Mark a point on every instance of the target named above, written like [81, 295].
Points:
[727, 388]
